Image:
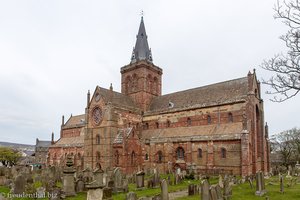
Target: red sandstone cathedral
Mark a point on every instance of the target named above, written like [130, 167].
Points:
[217, 128]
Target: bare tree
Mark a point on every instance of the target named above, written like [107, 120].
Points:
[285, 83]
[287, 144]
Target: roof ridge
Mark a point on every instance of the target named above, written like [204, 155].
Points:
[202, 87]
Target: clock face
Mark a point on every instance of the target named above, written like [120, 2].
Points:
[97, 115]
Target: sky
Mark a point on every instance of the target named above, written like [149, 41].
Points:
[53, 52]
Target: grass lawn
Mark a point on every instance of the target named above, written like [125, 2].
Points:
[240, 192]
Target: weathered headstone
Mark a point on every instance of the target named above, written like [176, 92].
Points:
[219, 192]
[140, 179]
[117, 177]
[227, 189]
[2, 180]
[95, 194]
[79, 186]
[131, 196]
[191, 189]
[164, 190]
[98, 176]
[281, 184]
[260, 184]
[68, 183]
[213, 192]
[107, 193]
[205, 190]
[41, 192]
[19, 184]
[221, 184]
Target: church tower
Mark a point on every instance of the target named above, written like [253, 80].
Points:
[141, 79]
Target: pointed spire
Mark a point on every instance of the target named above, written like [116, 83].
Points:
[141, 51]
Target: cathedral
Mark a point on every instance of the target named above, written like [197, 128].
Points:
[213, 129]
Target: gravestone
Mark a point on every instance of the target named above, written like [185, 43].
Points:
[79, 186]
[227, 189]
[117, 177]
[125, 185]
[131, 196]
[41, 192]
[281, 184]
[55, 194]
[2, 180]
[68, 183]
[260, 184]
[191, 190]
[221, 184]
[164, 190]
[205, 190]
[87, 175]
[98, 176]
[150, 184]
[213, 193]
[19, 184]
[140, 179]
[219, 192]
[95, 194]
[107, 193]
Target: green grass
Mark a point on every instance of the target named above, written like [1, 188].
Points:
[240, 192]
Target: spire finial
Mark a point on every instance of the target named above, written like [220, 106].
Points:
[142, 14]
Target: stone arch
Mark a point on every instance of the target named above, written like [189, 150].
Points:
[180, 153]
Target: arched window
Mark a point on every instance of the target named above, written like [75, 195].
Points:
[223, 152]
[146, 156]
[134, 83]
[189, 121]
[230, 117]
[155, 85]
[98, 139]
[127, 84]
[117, 157]
[146, 126]
[149, 83]
[208, 119]
[157, 124]
[97, 156]
[199, 153]
[159, 157]
[168, 123]
[132, 160]
[180, 153]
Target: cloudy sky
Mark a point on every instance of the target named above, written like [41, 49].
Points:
[52, 52]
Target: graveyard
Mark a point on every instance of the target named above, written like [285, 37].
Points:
[20, 182]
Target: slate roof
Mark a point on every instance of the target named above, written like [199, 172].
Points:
[77, 141]
[75, 121]
[117, 99]
[41, 143]
[228, 131]
[141, 50]
[121, 133]
[220, 93]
